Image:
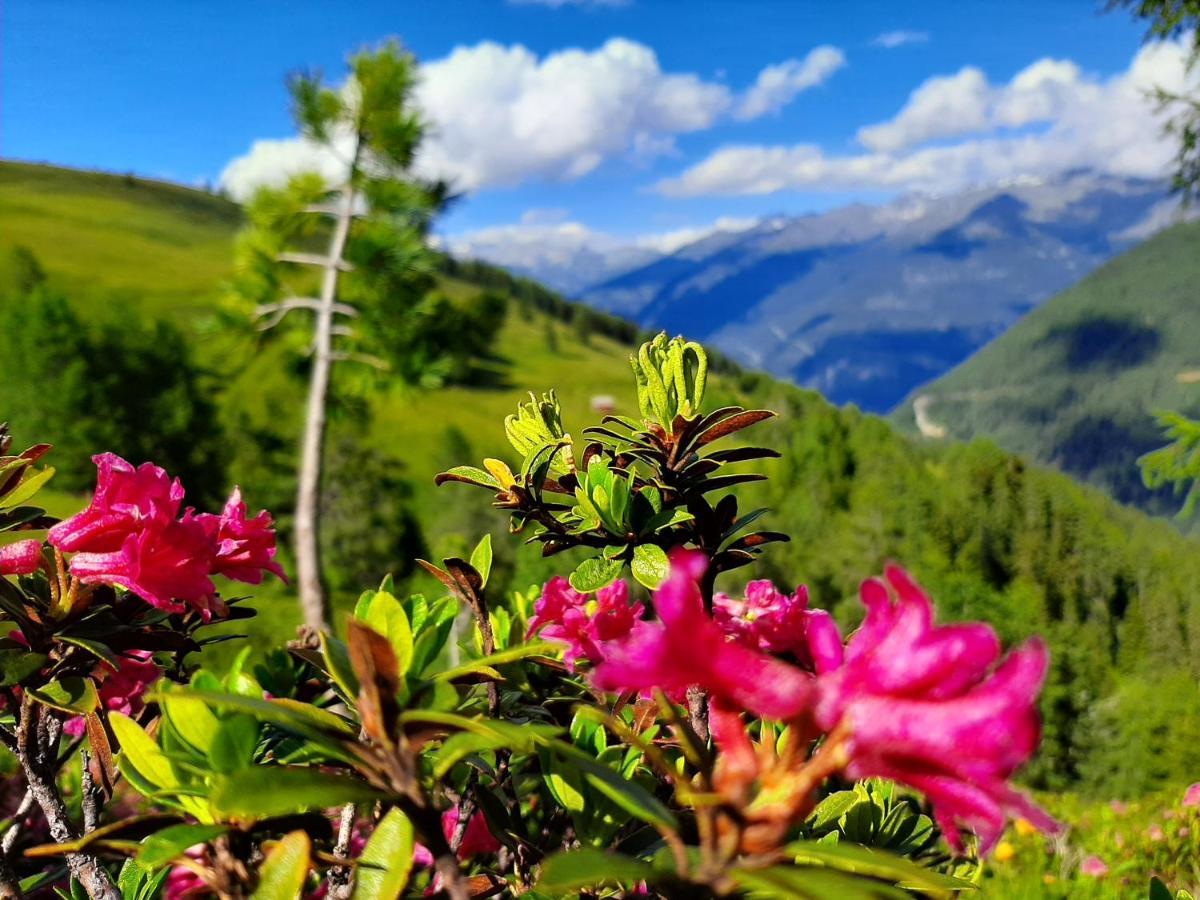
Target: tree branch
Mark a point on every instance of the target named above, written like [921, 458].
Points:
[365, 358]
[315, 259]
[276, 311]
[339, 878]
[37, 742]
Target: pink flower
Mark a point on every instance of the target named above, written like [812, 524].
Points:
[183, 883]
[687, 648]
[124, 500]
[21, 558]
[1093, 867]
[477, 839]
[1191, 796]
[1155, 833]
[934, 708]
[563, 614]
[245, 547]
[123, 689]
[163, 562]
[774, 622]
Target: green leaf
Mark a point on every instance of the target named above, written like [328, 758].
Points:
[387, 859]
[468, 475]
[233, 745]
[139, 750]
[17, 665]
[192, 719]
[29, 486]
[595, 573]
[460, 745]
[481, 558]
[101, 651]
[285, 870]
[386, 615]
[650, 566]
[1158, 890]
[630, 796]
[874, 863]
[573, 870]
[832, 808]
[337, 660]
[72, 694]
[263, 792]
[521, 651]
[565, 783]
[785, 882]
[169, 844]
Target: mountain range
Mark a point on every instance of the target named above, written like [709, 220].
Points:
[1076, 383]
[865, 303]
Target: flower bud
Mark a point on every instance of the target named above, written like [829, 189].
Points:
[21, 558]
[671, 376]
[537, 424]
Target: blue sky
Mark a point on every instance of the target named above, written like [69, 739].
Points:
[179, 90]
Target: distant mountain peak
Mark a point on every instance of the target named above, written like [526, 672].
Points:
[864, 303]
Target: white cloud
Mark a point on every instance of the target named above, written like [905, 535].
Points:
[951, 104]
[776, 86]
[500, 115]
[890, 40]
[1048, 119]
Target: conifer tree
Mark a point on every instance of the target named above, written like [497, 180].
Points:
[363, 233]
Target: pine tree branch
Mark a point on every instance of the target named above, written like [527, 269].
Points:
[316, 259]
[276, 311]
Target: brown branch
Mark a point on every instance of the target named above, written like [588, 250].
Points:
[339, 878]
[37, 742]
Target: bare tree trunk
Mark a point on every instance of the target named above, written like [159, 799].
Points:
[308, 493]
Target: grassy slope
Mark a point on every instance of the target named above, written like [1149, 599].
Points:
[1076, 382]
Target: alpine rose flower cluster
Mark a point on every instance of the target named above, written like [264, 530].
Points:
[563, 614]
[132, 535]
[932, 707]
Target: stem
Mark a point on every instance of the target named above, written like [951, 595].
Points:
[339, 878]
[308, 491]
[37, 742]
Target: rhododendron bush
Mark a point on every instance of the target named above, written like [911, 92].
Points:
[632, 727]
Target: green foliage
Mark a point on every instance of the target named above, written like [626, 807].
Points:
[108, 366]
[1178, 463]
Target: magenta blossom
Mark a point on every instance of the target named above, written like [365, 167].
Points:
[122, 690]
[774, 622]
[125, 500]
[21, 558]
[163, 563]
[687, 648]
[245, 547]
[478, 840]
[132, 536]
[1191, 796]
[935, 708]
[1093, 867]
[183, 883]
[563, 614]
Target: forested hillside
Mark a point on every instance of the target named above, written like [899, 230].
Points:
[992, 537]
[1075, 384]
